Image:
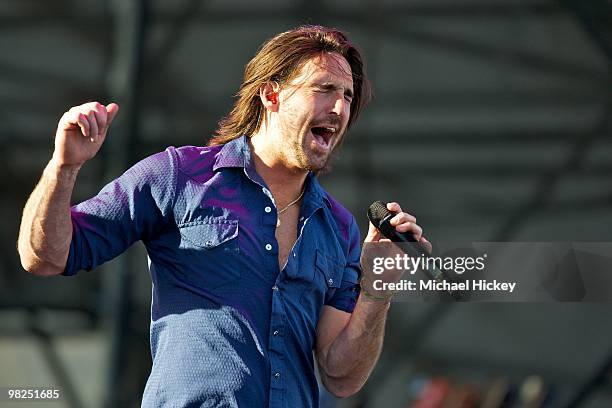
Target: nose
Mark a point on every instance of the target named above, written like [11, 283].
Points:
[340, 106]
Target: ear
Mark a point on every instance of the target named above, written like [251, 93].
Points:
[268, 93]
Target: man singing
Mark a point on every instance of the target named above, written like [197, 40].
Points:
[253, 264]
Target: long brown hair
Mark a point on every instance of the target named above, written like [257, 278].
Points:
[279, 59]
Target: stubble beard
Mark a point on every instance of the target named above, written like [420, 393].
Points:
[297, 150]
[306, 158]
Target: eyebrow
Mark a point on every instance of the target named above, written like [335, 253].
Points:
[330, 86]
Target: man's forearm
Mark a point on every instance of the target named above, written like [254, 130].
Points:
[353, 354]
[46, 227]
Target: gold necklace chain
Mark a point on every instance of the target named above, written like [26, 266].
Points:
[291, 203]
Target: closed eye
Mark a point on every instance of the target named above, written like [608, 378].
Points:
[327, 88]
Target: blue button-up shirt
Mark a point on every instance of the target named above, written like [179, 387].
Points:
[228, 328]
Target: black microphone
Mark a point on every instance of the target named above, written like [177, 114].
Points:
[380, 216]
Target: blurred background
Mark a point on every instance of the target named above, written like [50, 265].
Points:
[491, 122]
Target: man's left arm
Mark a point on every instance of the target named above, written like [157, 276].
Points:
[349, 344]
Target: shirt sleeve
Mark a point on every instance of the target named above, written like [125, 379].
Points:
[346, 295]
[128, 209]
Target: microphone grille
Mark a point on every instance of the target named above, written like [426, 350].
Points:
[377, 212]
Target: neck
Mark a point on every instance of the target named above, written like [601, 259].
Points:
[271, 164]
[285, 182]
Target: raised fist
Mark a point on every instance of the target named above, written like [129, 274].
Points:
[81, 132]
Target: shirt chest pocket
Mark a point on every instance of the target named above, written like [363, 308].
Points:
[328, 271]
[209, 250]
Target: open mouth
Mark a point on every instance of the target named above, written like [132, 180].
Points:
[323, 135]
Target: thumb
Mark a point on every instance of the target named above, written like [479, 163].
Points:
[373, 233]
[111, 110]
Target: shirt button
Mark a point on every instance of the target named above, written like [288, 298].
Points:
[277, 375]
[274, 287]
[330, 281]
[268, 247]
[267, 209]
[275, 333]
[294, 255]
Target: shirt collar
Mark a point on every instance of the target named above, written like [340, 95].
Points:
[314, 189]
[237, 153]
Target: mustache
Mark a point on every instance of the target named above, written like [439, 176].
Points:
[330, 120]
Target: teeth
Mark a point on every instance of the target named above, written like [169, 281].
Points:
[331, 129]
